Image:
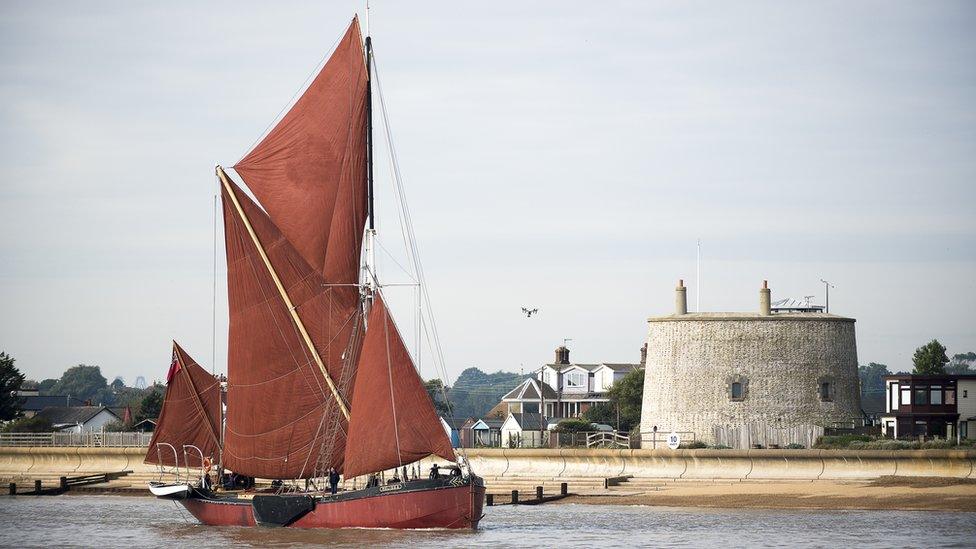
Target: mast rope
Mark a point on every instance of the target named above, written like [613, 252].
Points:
[433, 337]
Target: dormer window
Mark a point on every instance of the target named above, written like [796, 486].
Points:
[576, 380]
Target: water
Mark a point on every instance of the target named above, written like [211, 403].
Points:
[89, 521]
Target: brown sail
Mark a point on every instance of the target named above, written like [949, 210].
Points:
[309, 172]
[280, 411]
[393, 420]
[190, 415]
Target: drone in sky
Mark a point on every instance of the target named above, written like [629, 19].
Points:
[529, 312]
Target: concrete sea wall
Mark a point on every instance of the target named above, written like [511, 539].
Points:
[578, 463]
[723, 464]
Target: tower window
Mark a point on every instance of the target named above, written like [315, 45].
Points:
[825, 391]
[737, 391]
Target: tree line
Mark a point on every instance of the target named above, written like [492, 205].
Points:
[82, 383]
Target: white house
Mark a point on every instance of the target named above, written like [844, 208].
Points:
[564, 389]
[78, 419]
[524, 430]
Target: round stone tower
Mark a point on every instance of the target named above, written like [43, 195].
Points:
[773, 377]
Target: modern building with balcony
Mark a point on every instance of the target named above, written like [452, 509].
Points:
[941, 406]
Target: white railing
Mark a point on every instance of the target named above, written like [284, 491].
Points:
[89, 439]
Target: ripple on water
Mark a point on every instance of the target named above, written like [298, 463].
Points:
[146, 522]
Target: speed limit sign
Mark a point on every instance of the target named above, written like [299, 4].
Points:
[674, 441]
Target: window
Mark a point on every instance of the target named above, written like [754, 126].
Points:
[576, 380]
[921, 396]
[965, 393]
[906, 396]
[737, 391]
[893, 389]
[950, 396]
[825, 390]
[935, 396]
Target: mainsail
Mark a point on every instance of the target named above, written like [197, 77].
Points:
[280, 409]
[190, 415]
[393, 420]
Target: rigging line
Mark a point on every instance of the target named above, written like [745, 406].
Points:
[408, 227]
[294, 96]
[392, 258]
[213, 315]
[389, 370]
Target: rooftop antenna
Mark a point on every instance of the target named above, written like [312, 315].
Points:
[698, 280]
[367, 17]
[827, 287]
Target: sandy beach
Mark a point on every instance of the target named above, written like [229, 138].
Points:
[886, 493]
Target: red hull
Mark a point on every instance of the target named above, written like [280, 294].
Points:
[457, 507]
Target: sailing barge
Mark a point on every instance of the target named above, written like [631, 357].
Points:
[318, 376]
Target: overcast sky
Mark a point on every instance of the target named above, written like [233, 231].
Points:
[558, 155]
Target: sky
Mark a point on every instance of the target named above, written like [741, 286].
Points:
[565, 156]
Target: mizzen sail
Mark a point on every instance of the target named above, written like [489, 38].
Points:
[309, 172]
[190, 414]
[393, 420]
[281, 412]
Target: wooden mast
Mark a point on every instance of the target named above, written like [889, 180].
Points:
[281, 290]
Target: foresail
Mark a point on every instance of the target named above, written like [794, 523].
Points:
[190, 415]
[393, 420]
[281, 414]
[309, 172]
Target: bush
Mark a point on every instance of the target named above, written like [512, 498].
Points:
[114, 426]
[36, 424]
[573, 426]
[692, 445]
[839, 441]
[721, 447]
[794, 446]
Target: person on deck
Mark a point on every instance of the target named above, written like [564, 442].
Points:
[333, 480]
[435, 471]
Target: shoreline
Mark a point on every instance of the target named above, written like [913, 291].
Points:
[884, 494]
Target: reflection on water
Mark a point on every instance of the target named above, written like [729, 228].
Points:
[145, 522]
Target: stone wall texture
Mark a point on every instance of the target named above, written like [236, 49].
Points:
[780, 360]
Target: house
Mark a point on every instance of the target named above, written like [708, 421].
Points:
[564, 389]
[482, 433]
[942, 406]
[453, 429]
[35, 403]
[78, 419]
[525, 430]
[146, 426]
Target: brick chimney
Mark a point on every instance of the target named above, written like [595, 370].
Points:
[562, 355]
[681, 299]
[764, 300]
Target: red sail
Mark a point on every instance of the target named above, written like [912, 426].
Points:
[280, 412]
[393, 421]
[190, 414]
[309, 172]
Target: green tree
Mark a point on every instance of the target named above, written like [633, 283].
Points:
[626, 396]
[82, 382]
[36, 424]
[10, 380]
[872, 377]
[930, 359]
[437, 391]
[962, 363]
[150, 407]
[46, 385]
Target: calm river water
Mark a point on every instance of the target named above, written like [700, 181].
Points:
[87, 521]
